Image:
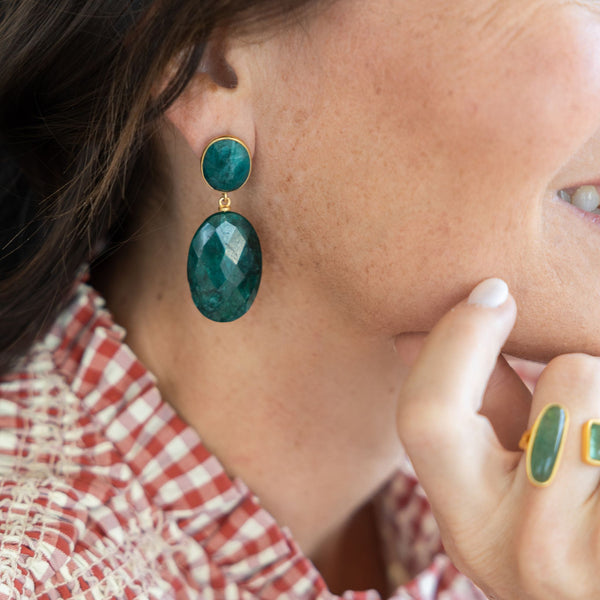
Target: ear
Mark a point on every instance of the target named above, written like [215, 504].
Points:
[217, 100]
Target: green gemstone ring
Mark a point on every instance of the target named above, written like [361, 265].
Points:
[590, 443]
[545, 443]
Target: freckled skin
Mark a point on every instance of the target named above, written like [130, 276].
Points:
[403, 150]
[436, 134]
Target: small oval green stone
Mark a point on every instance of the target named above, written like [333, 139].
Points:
[226, 164]
[594, 450]
[547, 443]
[224, 266]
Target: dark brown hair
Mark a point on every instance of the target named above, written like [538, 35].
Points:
[77, 112]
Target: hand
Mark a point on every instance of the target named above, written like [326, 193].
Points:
[516, 541]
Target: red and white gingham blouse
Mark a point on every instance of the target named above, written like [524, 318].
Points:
[106, 493]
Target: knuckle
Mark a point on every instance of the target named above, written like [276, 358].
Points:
[572, 369]
[576, 361]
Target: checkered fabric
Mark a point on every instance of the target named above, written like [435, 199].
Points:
[106, 493]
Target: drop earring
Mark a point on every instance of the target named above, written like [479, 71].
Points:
[225, 261]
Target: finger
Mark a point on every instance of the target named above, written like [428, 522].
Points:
[572, 381]
[451, 446]
[507, 412]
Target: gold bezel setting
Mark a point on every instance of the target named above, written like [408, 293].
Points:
[219, 139]
[586, 437]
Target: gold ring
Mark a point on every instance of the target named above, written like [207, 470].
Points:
[590, 443]
[544, 444]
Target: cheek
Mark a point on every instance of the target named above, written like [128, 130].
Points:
[415, 166]
[518, 91]
[521, 109]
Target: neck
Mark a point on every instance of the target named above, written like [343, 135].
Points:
[289, 398]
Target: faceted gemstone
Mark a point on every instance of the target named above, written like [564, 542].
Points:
[547, 443]
[226, 165]
[594, 444]
[224, 266]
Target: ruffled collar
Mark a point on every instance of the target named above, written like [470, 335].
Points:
[245, 547]
[180, 477]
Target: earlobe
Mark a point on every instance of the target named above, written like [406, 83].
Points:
[216, 101]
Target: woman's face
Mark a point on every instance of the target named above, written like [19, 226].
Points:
[415, 147]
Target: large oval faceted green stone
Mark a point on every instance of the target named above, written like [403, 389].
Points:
[547, 442]
[224, 266]
[226, 164]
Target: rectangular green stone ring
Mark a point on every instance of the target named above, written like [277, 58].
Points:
[590, 443]
[546, 444]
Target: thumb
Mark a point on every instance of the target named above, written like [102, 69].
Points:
[454, 451]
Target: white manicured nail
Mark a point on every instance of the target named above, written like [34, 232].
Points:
[490, 293]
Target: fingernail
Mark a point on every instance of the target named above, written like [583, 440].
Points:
[490, 293]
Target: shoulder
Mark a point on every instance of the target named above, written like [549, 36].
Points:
[54, 459]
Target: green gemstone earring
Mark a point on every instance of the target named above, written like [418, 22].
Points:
[225, 260]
